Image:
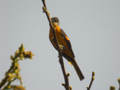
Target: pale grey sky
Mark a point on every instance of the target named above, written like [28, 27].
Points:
[93, 27]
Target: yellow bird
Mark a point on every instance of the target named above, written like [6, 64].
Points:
[64, 44]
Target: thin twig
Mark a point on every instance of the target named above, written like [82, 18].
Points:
[119, 87]
[66, 85]
[91, 82]
[48, 15]
[50, 23]
[112, 87]
[8, 84]
[119, 83]
[4, 80]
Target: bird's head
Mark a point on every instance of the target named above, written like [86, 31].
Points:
[55, 20]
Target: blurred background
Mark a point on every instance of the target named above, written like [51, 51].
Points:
[93, 27]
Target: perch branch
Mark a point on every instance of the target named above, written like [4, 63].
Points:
[66, 85]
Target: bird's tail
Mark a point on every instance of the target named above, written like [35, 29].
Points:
[77, 69]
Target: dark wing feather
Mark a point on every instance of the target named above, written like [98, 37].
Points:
[67, 41]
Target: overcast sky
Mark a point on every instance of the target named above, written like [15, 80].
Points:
[93, 27]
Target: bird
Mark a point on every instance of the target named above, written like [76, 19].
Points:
[61, 39]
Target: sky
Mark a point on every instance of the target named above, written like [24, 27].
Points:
[93, 27]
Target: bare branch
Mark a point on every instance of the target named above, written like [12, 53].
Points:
[119, 83]
[91, 82]
[112, 87]
[66, 85]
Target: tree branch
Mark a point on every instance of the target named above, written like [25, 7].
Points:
[91, 82]
[119, 83]
[112, 87]
[13, 72]
[66, 85]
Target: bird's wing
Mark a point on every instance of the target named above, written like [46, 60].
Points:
[67, 41]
